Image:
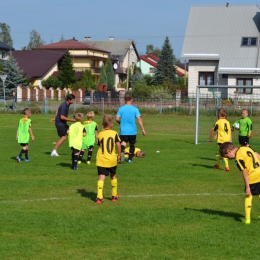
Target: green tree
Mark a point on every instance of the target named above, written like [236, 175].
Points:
[141, 91]
[14, 75]
[137, 77]
[165, 69]
[103, 76]
[154, 51]
[52, 82]
[35, 40]
[5, 35]
[87, 79]
[110, 75]
[1, 66]
[67, 74]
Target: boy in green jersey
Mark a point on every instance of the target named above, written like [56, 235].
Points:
[245, 128]
[23, 134]
[91, 137]
[107, 158]
[75, 133]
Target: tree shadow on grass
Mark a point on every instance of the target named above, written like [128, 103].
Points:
[235, 216]
[87, 194]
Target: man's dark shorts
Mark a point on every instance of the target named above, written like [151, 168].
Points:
[128, 138]
[255, 188]
[106, 171]
[62, 130]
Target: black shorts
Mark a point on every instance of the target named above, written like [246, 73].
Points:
[255, 188]
[106, 171]
[75, 150]
[62, 130]
[23, 144]
[243, 140]
[128, 138]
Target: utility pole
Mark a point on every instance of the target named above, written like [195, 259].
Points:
[127, 81]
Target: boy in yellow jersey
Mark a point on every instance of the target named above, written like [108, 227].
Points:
[223, 130]
[137, 153]
[23, 134]
[91, 137]
[247, 161]
[107, 158]
[75, 133]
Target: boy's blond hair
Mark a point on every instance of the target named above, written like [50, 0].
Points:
[223, 149]
[142, 154]
[107, 121]
[79, 117]
[90, 115]
[26, 111]
[222, 112]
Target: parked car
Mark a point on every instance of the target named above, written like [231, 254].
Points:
[87, 98]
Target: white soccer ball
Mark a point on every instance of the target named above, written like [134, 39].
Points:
[236, 126]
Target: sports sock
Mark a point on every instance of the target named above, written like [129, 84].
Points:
[114, 187]
[81, 154]
[248, 206]
[26, 154]
[89, 155]
[122, 149]
[219, 158]
[131, 152]
[100, 186]
[75, 159]
[226, 162]
[21, 153]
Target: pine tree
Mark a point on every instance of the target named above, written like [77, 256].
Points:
[165, 69]
[14, 75]
[67, 74]
[103, 76]
[110, 75]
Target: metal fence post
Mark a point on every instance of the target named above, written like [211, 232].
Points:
[160, 106]
[45, 106]
[102, 105]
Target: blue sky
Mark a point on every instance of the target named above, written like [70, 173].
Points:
[144, 21]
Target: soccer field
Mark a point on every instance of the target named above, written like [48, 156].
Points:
[173, 204]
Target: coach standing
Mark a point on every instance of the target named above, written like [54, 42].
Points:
[61, 120]
[126, 116]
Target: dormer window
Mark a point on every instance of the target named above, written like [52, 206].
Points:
[249, 41]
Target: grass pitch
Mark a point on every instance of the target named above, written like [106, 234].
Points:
[173, 204]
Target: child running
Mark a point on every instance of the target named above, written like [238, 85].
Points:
[76, 132]
[223, 130]
[23, 134]
[91, 137]
[107, 158]
[245, 128]
[247, 161]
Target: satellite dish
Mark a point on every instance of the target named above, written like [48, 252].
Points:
[101, 63]
[115, 66]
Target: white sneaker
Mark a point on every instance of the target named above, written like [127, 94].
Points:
[54, 153]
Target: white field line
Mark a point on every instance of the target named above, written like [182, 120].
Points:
[128, 196]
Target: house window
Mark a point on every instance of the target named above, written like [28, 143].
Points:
[92, 63]
[151, 70]
[3, 54]
[244, 82]
[224, 76]
[206, 78]
[249, 41]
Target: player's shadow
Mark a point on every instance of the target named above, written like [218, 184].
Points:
[206, 158]
[87, 194]
[235, 216]
[202, 165]
[183, 141]
[67, 165]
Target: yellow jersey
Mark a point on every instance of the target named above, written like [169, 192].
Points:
[222, 127]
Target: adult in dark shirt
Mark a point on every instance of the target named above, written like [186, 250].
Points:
[14, 100]
[61, 120]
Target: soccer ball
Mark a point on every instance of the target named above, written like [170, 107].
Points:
[236, 126]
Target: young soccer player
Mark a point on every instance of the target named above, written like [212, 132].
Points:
[245, 128]
[75, 133]
[247, 161]
[223, 130]
[91, 137]
[23, 134]
[107, 158]
[137, 153]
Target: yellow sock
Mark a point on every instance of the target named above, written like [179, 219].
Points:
[248, 206]
[114, 187]
[226, 162]
[100, 185]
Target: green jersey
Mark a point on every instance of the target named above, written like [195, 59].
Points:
[90, 138]
[245, 126]
[76, 131]
[23, 130]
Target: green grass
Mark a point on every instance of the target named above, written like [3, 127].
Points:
[173, 204]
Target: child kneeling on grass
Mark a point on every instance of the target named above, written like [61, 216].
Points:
[247, 161]
[107, 158]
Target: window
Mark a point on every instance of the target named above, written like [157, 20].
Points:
[225, 76]
[249, 41]
[206, 78]
[151, 70]
[3, 54]
[92, 63]
[244, 82]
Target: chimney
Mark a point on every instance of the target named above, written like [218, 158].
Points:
[87, 38]
[227, 4]
[111, 38]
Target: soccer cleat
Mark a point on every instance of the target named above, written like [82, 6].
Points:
[227, 169]
[129, 161]
[99, 201]
[27, 160]
[246, 221]
[54, 153]
[216, 166]
[87, 162]
[18, 159]
[115, 198]
[74, 168]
